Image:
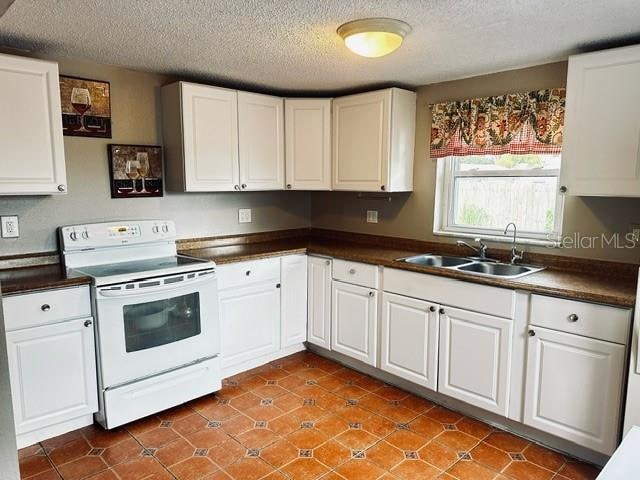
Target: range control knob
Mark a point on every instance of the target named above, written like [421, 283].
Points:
[155, 229]
[165, 228]
[73, 236]
[85, 235]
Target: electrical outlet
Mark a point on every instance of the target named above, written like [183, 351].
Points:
[372, 216]
[244, 215]
[10, 226]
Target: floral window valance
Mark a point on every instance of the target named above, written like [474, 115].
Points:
[521, 123]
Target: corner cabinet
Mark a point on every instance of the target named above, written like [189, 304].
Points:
[373, 141]
[308, 143]
[601, 148]
[32, 160]
[319, 302]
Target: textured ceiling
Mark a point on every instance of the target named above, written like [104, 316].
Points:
[292, 45]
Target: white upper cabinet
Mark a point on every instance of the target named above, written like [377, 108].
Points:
[200, 126]
[308, 143]
[373, 141]
[32, 158]
[261, 140]
[601, 151]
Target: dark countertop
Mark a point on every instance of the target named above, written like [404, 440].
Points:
[612, 290]
[41, 277]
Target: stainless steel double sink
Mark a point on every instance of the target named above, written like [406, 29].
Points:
[476, 266]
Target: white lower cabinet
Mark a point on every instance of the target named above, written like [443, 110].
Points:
[319, 301]
[293, 276]
[410, 339]
[249, 322]
[574, 387]
[354, 320]
[53, 374]
[475, 358]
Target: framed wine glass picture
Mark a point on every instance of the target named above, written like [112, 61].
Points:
[86, 107]
[135, 171]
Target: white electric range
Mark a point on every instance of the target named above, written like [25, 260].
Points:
[156, 312]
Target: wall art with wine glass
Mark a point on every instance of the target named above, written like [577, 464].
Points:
[135, 171]
[86, 107]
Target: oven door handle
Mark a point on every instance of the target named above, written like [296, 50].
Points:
[107, 293]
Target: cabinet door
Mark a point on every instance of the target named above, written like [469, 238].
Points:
[53, 373]
[308, 143]
[353, 321]
[601, 148]
[32, 159]
[574, 387]
[260, 120]
[361, 135]
[319, 302]
[409, 339]
[210, 138]
[475, 358]
[250, 322]
[294, 299]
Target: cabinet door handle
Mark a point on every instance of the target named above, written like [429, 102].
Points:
[432, 309]
[441, 311]
[288, 186]
[573, 318]
[563, 189]
[236, 187]
[382, 187]
[62, 188]
[371, 294]
[244, 185]
[46, 307]
[531, 333]
[277, 285]
[327, 262]
[352, 271]
[247, 273]
[88, 323]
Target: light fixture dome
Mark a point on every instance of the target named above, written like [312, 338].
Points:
[373, 37]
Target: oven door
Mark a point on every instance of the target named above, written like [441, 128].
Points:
[156, 325]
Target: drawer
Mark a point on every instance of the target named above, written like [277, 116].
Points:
[588, 319]
[42, 308]
[356, 273]
[241, 274]
[447, 291]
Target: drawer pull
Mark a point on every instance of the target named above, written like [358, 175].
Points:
[532, 333]
[46, 307]
[88, 323]
[573, 318]
[352, 271]
[247, 273]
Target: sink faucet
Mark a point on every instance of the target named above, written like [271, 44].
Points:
[481, 250]
[515, 254]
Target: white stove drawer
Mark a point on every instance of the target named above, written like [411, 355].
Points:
[43, 308]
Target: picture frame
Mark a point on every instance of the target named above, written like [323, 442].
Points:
[86, 107]
[135, 171]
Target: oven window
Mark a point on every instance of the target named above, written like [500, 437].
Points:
[151, 324]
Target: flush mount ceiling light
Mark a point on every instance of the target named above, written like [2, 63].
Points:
[373, 37]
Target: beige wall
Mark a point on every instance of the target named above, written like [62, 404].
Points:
[411, 215]
[136, 119]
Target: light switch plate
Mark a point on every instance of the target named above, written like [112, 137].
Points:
[372, 216]
[10, 226]
[244, 215]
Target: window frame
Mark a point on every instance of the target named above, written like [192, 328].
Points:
[444, 206]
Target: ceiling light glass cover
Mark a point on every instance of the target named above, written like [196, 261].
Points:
[373, 37]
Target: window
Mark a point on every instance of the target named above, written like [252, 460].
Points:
[478, 195]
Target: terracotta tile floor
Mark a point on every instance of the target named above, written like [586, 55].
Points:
[302, 417]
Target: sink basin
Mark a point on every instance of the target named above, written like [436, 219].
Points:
[504, 270]
[437, 260]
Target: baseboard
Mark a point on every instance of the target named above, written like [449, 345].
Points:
[550, 441]
[30, 438]
[259, 361]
